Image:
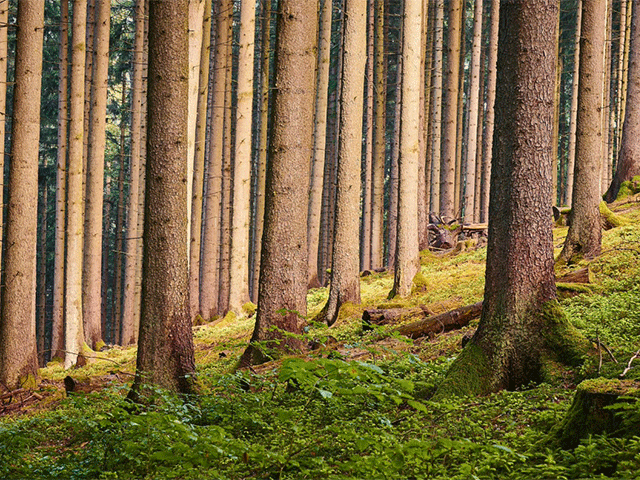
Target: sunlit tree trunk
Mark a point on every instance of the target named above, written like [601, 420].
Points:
[574, 110]
[92, 275]
[423, 205]
[129, 330]
[196, 198]
[41, 278]
[18, 349]
[283, 275]
[74, 334]
[119, 274]
[450, 111]
[407, 256]
[4, 60]
[437, 109]
[345, 278]
[165, 350]
[487, 139]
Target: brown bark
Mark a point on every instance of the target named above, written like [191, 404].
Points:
[165, 350]
[436, 101]
[450, 111]
[345, 278]
[407, 261]
[574, 111]
[628, 164]
[18, 350]
[585, 233]
[444, 322]
[119, 274]
[283, 275]
[57, 321]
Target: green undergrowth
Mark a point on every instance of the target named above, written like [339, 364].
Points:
[360, 406]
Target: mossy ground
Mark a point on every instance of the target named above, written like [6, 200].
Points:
[346, 423]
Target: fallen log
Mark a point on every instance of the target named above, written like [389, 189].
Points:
[579, 276]
[390, 316]
[444, 322]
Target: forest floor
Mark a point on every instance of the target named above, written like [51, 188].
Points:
[357, 406]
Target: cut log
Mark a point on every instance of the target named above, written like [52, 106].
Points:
[444, 322]
[390, 316]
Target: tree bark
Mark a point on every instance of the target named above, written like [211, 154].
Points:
[522, 325]
[18, 350]
[165, 350]
[436, 161]
[628, 164]
[407, 261]
[345, 278]
[585, 233]
[283, 275]
[571, 161]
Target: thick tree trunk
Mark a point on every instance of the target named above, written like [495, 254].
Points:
[571, 161]
[74, 334]
[57, 321]
[283, 275]
[407, 261]
[522, 325]
[585, 233]
[345, 278]
[165, 350]
[92, 277]
[628, 164]
[18, 350]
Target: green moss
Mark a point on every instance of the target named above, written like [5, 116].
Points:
[611, 220]
[470, 374]
[249, 309]
[575, 287]
[28, 381]
[420, 283]
[348, 310]
[100, 345]
[625, 191]
[562, 339]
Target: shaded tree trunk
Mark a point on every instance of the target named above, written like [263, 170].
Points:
[165, 350]
[283, 275]
[571, 161]
[436, 130]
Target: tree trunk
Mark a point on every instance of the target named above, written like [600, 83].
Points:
[74, 334]
[41, 278]
[522, 326]
[118, 280]
[92, 275]
[379, 142]
[211, 235]
[129, 330]
[585, 233]
[263, 143]
[407, 261]
[450, 112]
[574, 110]
[472, 131]
[196, 198]
[487, 139]
[423, 214]
[628, 164]
[165, 350]
[57, 321]
[18, 351]
[283, 275]
[239, 266]
[345, 278]
[436, 161]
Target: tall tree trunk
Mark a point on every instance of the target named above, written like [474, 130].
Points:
[196, 198]
[345, 278]
[472, 131]
[283, 275]
[379, 142]
[522, 326]
[574, 110]
[92, 274]
[628, 164]
[450, 112]
[88, 73]
[436, 130]
[165, 350]
[74, 331]
[41, 278]
[585, 233]
[487, 139]
[622, 53]
[211, 235]
[118, 280]
[57, 321]
[263, 143]
[556, 114]
[241, 218]
[367, 174]
[425, 79]
[407, 261]
[129, 327]
[18, 350]
[606, 162]
[4, 60]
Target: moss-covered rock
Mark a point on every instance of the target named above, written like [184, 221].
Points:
[611, 220]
